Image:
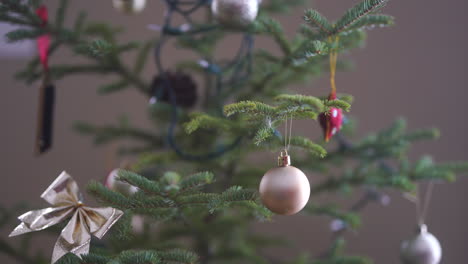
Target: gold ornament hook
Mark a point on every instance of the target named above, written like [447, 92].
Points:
[284, 159]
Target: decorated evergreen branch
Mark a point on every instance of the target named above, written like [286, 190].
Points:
[191, 194]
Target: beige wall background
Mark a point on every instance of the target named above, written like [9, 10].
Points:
[416, 69]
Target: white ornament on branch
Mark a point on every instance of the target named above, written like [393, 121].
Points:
[424, 248]
[129, 6]
[235, 13]
[285, 190]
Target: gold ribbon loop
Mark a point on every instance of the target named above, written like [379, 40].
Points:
[64, 195]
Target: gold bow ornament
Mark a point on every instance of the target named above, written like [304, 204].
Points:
[64, 196]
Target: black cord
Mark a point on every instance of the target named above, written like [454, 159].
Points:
[241, 67]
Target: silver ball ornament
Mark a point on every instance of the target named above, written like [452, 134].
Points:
[284, 190]
[235, 13]
[129, 6]
[424, 248]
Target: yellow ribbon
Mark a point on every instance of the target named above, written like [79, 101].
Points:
[64, 196]
[333, 60]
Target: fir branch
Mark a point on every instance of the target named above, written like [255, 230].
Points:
[300, 100]
[70, 258]
[96, 49]
[105, 134]
[113, 87]
[199, 120]
[80, 23]
[344, 259]
[234, 194]
[426, 134]
[346, 98]
[196, 181]
[107, 196]
[198, 199]
[137, 257]
[18, 255]
[249, 107]
[338, 104]
[59, 71]
[264, 133]
[23, 34]
[266, 25]
[307, 144]
[178, 256]
[356, 13]
[147, 186]
[148, 159]
[315, 19]
[375, 177]
[94, 259]
[103, 50]
[461, 166]
[142, 56]
[371, 21]
[280, 6]
[60, 13]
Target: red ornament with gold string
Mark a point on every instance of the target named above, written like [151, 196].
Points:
[332, 120]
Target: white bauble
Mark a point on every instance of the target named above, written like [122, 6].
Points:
[235, 13]
[285, 190]
[424, 248]
[129, 6]
[112, 183]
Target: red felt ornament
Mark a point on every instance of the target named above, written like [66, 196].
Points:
[46, 92]
[332, 120]
[43, 41]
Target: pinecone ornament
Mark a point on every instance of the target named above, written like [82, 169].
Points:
[182, 86]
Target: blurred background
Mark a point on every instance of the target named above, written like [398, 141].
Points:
[416, 69]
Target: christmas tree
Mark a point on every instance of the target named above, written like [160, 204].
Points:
[193, 192]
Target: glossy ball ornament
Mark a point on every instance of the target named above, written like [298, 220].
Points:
[129, 6]
[424, 248]
[112, 183]
[235, 13]
[284, 190]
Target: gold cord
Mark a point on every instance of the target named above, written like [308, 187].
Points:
[333, 60]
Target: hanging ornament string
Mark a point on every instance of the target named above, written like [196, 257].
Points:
[285, 189]
[333, 60]
[287, 134]
[422, 202]
[46, 92]
[332, 120]
[423, 247]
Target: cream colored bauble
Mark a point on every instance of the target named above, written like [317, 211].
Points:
[285, 190]
[112, 183]
[424, 248]
[129, 6]
[235, 13]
